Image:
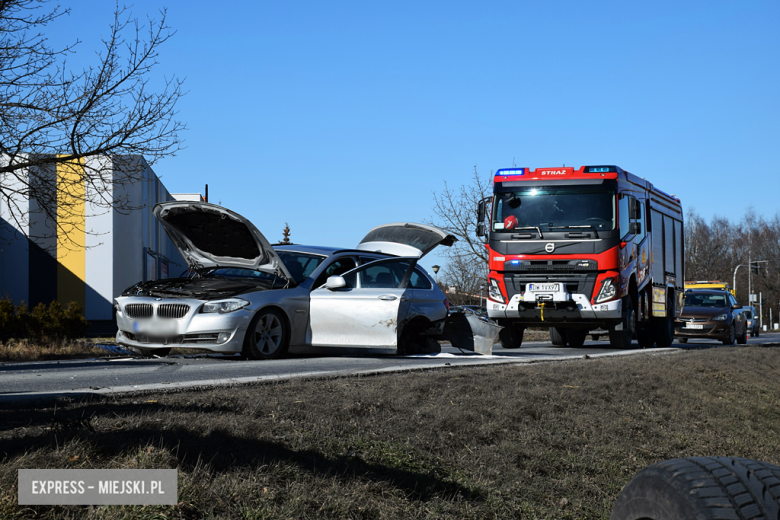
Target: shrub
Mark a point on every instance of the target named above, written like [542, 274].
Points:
[52, 321]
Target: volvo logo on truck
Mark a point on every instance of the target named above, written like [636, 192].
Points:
[549, 247]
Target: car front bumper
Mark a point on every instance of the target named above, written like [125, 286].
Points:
[215, 332]
[715, 330]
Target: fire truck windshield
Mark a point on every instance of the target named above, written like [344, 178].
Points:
[549, 208]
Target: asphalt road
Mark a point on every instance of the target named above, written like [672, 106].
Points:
[21, 381]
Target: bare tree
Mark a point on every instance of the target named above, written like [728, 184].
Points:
[456, 212]
[57, 126]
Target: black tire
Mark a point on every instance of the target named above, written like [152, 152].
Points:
[663, 328]
[267, 336]
[154, 352]
[622, 338]
[594, 337]
[576, 337]
[755, 334]
[701, 488]
[558, 336]
[413, 341]
[742, 340]
[511, 337]
[644, 335]
[732, 336]
[682, 340]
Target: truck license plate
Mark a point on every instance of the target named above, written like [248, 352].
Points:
[693, 326]
[546, 287]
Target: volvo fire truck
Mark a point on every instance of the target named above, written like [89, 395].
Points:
[582, 249]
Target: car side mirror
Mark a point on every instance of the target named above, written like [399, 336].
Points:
[737, 306]
[635, 228]
[335, 282]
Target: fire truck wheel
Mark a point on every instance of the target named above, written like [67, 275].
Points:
[663, 328]
[576, 337]
[622, 338]
[511, 337]
[701, 487]
[557, 336]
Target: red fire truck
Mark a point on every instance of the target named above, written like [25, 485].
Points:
[582, 249]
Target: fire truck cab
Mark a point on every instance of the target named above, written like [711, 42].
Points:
[580, 249]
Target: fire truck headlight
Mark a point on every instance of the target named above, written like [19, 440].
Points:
[608, 290]
[494, 291]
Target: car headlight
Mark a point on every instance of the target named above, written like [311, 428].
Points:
[223, 306]
[720, 317]
[608, 290]
[494, 291]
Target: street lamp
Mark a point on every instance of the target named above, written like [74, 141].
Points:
[750, 265]
[436, 272]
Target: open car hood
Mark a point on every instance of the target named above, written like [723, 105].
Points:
[209, 236]
[405, 239]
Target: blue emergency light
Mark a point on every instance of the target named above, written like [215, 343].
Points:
[505, 172]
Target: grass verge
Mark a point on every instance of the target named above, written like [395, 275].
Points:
[551, 440]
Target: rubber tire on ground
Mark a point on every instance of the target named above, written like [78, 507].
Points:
[622, 338]
[644, 336]
[682, 340]
[732, 336]
[266, 325]
[558, 336]
[511, 337]
[152, 352]
[576, 337]
[756, 334]
[742, 340]
[663, 328]
[594, 337]
[701, 488]
[412, 340]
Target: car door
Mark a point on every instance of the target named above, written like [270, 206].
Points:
[365, 313]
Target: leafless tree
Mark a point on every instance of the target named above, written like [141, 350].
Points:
[456, 211]
[77, 126]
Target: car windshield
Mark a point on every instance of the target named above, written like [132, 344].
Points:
[300, 265]
[549, 208]
[705, 300]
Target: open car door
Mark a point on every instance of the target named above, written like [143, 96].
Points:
[365, 312]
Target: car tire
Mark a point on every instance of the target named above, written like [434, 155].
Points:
[576, 337]
[267, 336]
[663, 328]
[558, 336]
[702, 488]
[594, 337]
[732, 336]
[682, 340]
[413, 341]
[154, 352]
[622, 338]
[755, 334]
[742, 340]
[511, 337]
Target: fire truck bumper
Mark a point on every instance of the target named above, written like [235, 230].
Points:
[576, 308]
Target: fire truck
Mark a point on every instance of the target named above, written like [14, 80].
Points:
[582, 249]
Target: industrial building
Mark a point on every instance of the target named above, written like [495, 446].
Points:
[106, 250]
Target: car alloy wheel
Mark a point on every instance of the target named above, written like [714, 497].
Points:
[267, 336]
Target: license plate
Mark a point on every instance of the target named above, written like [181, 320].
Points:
[155, 327]
[546, 287]
[693, 326]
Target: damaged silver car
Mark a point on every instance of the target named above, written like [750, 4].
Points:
[246, 296]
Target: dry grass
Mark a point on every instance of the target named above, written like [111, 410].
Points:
[41, 350]
[553, 440]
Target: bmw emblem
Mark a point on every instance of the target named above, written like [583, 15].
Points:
[549, 247]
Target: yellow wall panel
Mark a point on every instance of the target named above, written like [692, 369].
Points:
[71, 238]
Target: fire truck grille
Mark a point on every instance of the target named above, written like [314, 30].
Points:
[575, 283]
[139, 310]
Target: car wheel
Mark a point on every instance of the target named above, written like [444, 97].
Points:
[576, 337]
[663, 328]
[682, 340]
[742, 340]
[622, 338]
[557, 336]
[413, 341]
[594, 337]
[701, 487]
[732, 336]
[511, 337]
[154, 352]
[266, 337]
[755, 333]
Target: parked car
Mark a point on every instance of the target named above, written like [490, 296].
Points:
[711, 314]
[753, 324]
[249, 297]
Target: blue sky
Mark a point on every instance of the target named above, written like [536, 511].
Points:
[339, 116]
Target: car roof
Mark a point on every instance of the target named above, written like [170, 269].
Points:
[315, 250]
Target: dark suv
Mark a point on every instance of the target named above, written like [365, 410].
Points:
[711, 314]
